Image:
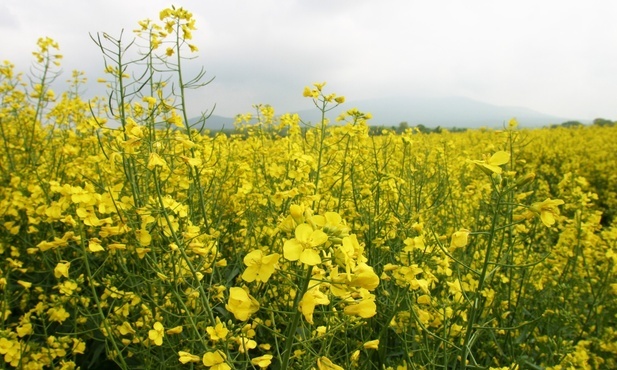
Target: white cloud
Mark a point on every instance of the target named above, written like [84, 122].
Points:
[552, 56]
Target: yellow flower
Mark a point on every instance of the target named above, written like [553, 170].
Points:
[324, 363]
[23, 330]
[332, 224]
[364, 277]
[11, 351]
[157, 333]
[58, 314]
[79, 347]
[186, 357]
[262, 361]
[62, 269]
[155, 160]
[215, 361]
[241, 304]
[491, 165]
[126, 328]
[372, 344]
[218, 332]
[309, 93]
[144, 237]
[303, 246]
[175, 330]
[25, 284]
[94, 245]
[365, 309]
[68, 287]
[244, 344]
[460, 238]
[310, 299]
[424, 299]
[259, 267]
[319, 86]
[548, 210]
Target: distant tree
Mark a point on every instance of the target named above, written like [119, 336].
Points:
[402, 127]
[571, 124]
[423, 129]
[603, 122]
[376, 130]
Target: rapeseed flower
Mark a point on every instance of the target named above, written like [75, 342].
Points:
[175, 330]
[244, 344]
[58, 314]
[215, 360]
[364, 277]
[324, 363]
[460, 238]
[310, 299]
[11, 350]
[157, 333]
[547, 210]
[492, 164]
[62, 269]
[366, 308]
[262, 361]
[303, 246]
[126, 328]
[348, 252]
[241, 304]
[259, 266]
[218, 331]
[23, 330]
[186, 357]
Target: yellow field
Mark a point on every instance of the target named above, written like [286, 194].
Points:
[130, 239]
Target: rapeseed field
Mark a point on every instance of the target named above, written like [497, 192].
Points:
[132, 239]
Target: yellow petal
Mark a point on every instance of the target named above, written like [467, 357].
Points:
[253, 257]
[303, 232]
[318, 237]
[499, 158]
[364, 309]
[310, 257]
[250, 274]
[548, 218]
[292, 250]
[372, 344]
[495, 169]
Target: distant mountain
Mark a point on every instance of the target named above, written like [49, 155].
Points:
[446, 112]
[215, 123]
[442, 111]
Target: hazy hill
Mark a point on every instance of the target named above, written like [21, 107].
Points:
[444, 111]
[215, 123]
[431, 112]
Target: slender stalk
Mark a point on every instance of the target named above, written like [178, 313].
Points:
[291, 330]
[476, 309]
[99, 310]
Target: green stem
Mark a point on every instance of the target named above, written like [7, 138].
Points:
[475, 308]
[290, 334]
[103, 317]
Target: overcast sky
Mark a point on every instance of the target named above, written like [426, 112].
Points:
[554, 56]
